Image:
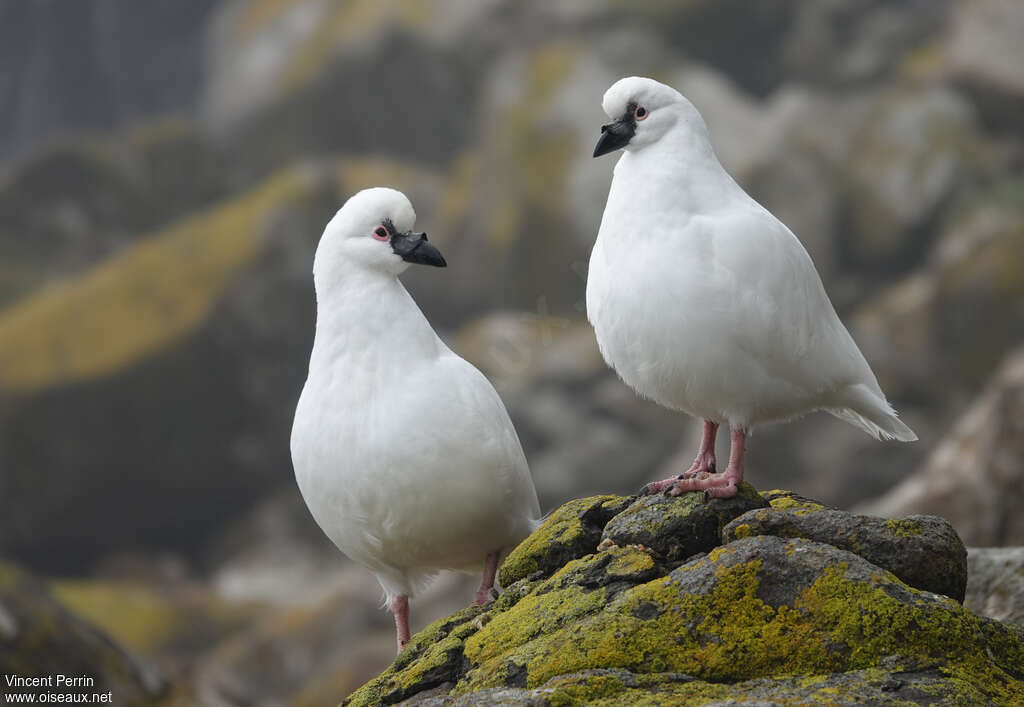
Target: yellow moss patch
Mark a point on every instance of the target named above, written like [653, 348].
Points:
[628, 562]
[140, 301]
[730, 634]
[742, 531]
[561, 530]
[904, 527]
[134, 615]
[786, 501]
[142, 619]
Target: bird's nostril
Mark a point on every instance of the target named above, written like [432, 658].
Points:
[604, 128]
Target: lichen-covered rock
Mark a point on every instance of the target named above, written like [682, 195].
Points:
[621, 687]
[679, 527]
[572, 531]
[761, 618]
[923, 551]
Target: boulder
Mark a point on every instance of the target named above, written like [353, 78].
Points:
[137, 367]
[923, 551]
[674, 530]
[75, 203]
[761, 617]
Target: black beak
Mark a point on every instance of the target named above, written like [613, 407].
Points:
[614, 136]
[414, 248]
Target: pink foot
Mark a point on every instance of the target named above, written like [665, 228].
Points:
[724, 485]
[703, 464]
[487, 592]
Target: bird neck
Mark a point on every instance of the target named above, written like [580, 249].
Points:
[683, 167]
[363, 313]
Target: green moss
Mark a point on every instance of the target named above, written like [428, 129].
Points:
[789, 501]
[575, 690]
[431, 657]
[904, 527]
[133, 614]
[563, 535]
[730, 633]
[742, 531]
[628, 562]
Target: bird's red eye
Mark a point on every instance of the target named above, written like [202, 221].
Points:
[380, 233]
[640, 113]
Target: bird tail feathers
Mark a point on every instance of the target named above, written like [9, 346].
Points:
[863, 408]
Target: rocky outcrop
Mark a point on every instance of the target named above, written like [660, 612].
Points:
[768, 614]
[73, 204]
[150, 335]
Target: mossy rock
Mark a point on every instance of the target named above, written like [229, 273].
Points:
[571, 531]
[621, 687]
[923, 551]
[762, 618]
[678, 527]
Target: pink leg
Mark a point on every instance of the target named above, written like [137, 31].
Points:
[486, 591]
[399, 606]
[722, 485]
[704, 463]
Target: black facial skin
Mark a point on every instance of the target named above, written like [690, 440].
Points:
[617, 134]
[414, 248]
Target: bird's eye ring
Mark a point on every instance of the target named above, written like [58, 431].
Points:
[380, 233]
[640, 113]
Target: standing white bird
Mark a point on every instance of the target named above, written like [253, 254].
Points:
[403, 451]
[704, 302]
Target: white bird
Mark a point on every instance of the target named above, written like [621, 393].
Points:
[706, 303]
[403, 451]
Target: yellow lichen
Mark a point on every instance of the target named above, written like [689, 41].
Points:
[562, 529]
[904, 527]
[139, 301]
[742, 531]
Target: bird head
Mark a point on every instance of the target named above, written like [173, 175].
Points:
[373, 230]
[642, 112]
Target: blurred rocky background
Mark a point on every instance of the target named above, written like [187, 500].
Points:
[167, 168]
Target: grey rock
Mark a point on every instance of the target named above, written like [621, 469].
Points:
[676, 528]
[923, 551]
[995, 582]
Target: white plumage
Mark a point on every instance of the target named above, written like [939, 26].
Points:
[402, 450]
[701, 299]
